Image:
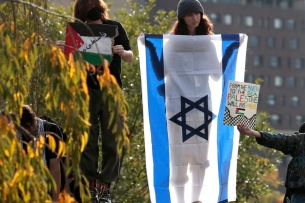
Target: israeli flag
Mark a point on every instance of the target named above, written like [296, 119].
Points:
[191, 156]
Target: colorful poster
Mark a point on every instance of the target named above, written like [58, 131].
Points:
[93, 41]
[241, 104]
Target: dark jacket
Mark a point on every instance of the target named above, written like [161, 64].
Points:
[293, 145]
[115, 65]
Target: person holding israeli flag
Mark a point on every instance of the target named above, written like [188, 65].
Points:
[191, 156]
[191, 19]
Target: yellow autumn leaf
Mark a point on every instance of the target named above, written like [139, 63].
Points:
[6, 152]
[16, 176]
[48, 95]
[87, 123]
[40, 142]
[2, 25]
[61, 148]
[62, 106]
[27, 197]
[65, 197]
[26, 50]
[52, 143]
[72, 71]
[84, 141]
[113, 80]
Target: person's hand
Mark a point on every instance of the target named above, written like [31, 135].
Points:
[61, 44]
[118, 49]
[244, 130]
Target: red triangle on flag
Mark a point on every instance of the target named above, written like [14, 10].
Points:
[73, 41]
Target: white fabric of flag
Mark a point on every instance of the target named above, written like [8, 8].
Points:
[190, 155]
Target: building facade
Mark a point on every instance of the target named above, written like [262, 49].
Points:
[276, 51]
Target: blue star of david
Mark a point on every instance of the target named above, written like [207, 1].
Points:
[204, 108]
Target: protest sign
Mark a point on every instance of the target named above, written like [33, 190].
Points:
[241, 104]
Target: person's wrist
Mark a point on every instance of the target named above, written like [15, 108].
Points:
[122, 53]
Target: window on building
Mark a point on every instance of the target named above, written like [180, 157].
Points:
[248, 21]
[291, 81]
[215, 18]
[299, 119]
[258, 60]
[278, 23]
[227, 19]
[249, 78]
[275, 119]
[290, 24]
[253, 40]
[278, 81]
[268, 2]
[294, 101]
[294, 43]
[249, 2]
[270, 41]
[271, 99]
[275, 61]
[284, 3]
[258, 2]
[299, 63]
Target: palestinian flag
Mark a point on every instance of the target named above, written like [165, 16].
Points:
[93, 41]
[240, 111]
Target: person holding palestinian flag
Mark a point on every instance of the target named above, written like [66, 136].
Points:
[95, 12]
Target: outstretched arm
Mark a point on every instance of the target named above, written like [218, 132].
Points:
[244, 130]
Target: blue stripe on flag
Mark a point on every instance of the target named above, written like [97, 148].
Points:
[225, 133]
[157, 117]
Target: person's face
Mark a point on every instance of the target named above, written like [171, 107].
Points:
[33, 129]
[192, 20]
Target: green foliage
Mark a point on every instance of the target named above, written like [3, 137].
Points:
[35, 72]
[132, 185]
[255, 168]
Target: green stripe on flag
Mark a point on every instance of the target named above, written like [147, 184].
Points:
[93, 58]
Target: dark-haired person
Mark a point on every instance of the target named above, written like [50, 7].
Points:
[37, 127]
[293, 145]
[96, 12]
[191, 19]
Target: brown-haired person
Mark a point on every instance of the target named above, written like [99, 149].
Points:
[37, 127]
[96, 12]
[293, 145]
[191, 19]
